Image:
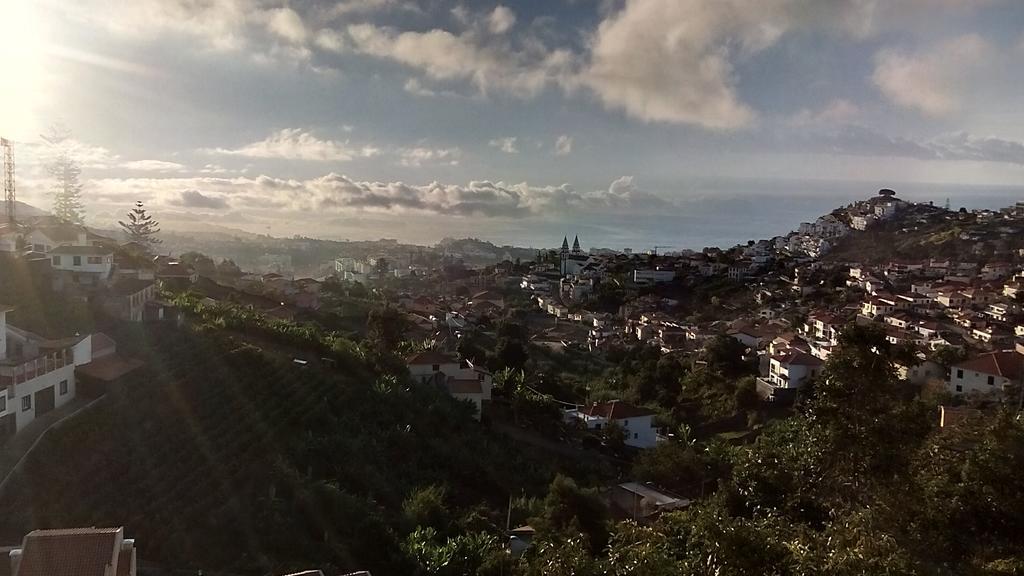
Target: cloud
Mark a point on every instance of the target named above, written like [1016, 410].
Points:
[497, 67]
[932, 81]
[196, 199]
[963, 146]
[507, 145]
[501, 20]
[563, 145]
[297, 144]
[330, 40]
[153, 166]
[854, 140]
[418, 156]
[335, 193]
[671, 60]
[286, 24]
[838, 111]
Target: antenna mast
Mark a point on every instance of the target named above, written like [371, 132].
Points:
[8, 178]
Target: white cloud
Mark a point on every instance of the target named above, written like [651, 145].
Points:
[671, 60]
[286, 24]
[153, 166]
[838, 111]
[441, 55]
[501, 20]
[563, 145]
[339, 194]
[330, 41]
[420, 155]
[297, 144]
[508, 145]
[932, 81]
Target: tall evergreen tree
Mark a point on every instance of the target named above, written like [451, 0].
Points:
[65, 171]
[140, 226]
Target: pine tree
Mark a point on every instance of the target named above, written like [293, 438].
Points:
[65, 171]
[141, 227]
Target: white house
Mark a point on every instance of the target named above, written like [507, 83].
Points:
[461, 378]
[37, 375]
[788, 372]
[636, 422]
[84, 265]
[987, 372]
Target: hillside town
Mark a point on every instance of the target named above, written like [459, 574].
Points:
[596, 356]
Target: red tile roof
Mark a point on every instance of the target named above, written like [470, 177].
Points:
[616, 410]
[74, 552]
[1008, 364]
[797, 358]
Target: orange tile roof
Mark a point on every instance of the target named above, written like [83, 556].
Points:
[1007, 363]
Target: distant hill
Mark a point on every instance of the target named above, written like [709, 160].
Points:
[21, 210]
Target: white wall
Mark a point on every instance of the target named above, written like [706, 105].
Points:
[970, 381]
[639, 431]
[28, 389]
[82, 352]
[67, 262]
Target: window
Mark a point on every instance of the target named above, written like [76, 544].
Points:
[26, 403]
[56, 260]
[959, 388]
[77, 260]
[63, 387]
[960, 374]
[636, 435]
[95, 260]
[436, 367]
[991, 380]
[3, 402]
[38, 248]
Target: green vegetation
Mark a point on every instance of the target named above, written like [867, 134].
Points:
[219, 456]
[860, 482]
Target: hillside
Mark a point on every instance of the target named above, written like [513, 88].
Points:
[922, 231]
[220, 457]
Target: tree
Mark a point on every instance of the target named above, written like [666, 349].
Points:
[140, 227]
[65, 171]
[570, 510]
[200, 262]
[381, 267]
[385, 328]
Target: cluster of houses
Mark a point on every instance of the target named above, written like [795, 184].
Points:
[121, 277]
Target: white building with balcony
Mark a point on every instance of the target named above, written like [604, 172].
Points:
[37, 375]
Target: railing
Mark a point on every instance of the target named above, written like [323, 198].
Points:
[11, 376]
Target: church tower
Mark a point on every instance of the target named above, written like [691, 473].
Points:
[576, 246]
[564, 255]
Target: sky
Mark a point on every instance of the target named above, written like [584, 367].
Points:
[671, 122]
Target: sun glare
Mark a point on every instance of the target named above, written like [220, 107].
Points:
[21, 68]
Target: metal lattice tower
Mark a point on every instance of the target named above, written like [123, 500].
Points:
[9, 178]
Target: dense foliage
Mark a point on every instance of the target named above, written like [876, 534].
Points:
[219, 456]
